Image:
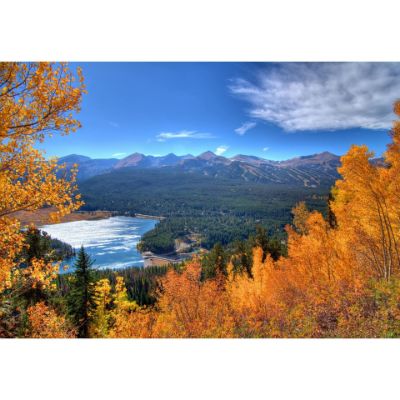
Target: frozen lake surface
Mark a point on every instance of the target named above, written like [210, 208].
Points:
[111, 242]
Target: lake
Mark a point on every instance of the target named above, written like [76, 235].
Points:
[111, 242]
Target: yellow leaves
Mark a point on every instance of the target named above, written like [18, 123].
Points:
[102, 292]
[101, 314]
[44, 92]
[45, 323]
[113, 313]
[254, 301]
[191, 308]
[11, 242]
[396, 108]
[127, 317]
[300, 215]
[367, 209]
[37, 275]
[121, 301]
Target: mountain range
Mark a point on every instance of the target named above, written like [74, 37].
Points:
[309, 171]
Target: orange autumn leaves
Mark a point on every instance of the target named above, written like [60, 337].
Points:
[191, 308]
[186, 307]
[45, 323]
[367, 208]
[36, 99]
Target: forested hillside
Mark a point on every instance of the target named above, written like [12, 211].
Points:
[220, 209]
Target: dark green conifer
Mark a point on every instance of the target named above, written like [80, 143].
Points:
[80, 298]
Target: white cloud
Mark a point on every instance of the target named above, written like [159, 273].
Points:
[117, 155]
[113, 124]
[265, 149]
[324, 96]
[245, 127]
[163, 136]
[221, 150]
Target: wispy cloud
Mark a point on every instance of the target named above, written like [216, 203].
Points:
[265, 148]
[323, 96]
[245, 127]
[163, 136]
[113, 124]
[221, 150]
[117, 155]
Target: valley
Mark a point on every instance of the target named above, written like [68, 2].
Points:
[218, 199]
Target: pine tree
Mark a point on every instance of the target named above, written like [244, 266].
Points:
[80, 299]
[214, 263]
[36, 246]
[242, 259]
[331, 215]
[269, 244]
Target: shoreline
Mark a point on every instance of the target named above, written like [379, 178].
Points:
[42, 217]
[146, 216]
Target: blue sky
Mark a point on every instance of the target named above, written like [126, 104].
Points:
[276, 111]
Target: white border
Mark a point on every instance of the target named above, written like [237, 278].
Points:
[200, 30]
[200, 369]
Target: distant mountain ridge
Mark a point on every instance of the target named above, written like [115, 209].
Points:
[140, 160]
[312, 171]
[88, 167]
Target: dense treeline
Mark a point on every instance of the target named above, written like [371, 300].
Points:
[161, 239]
[219, 229]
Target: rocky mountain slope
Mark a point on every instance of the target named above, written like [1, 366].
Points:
[309, 171]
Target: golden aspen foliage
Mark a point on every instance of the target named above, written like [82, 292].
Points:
[252, 299]
[367, 207]
[38, 275]
[191, 308]
[100, 315]
[45, 323]
[120, 298]
[315, 274]
[36, 100]
[128, 319]
[11, 242]
[300, 215]
[136, 323]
